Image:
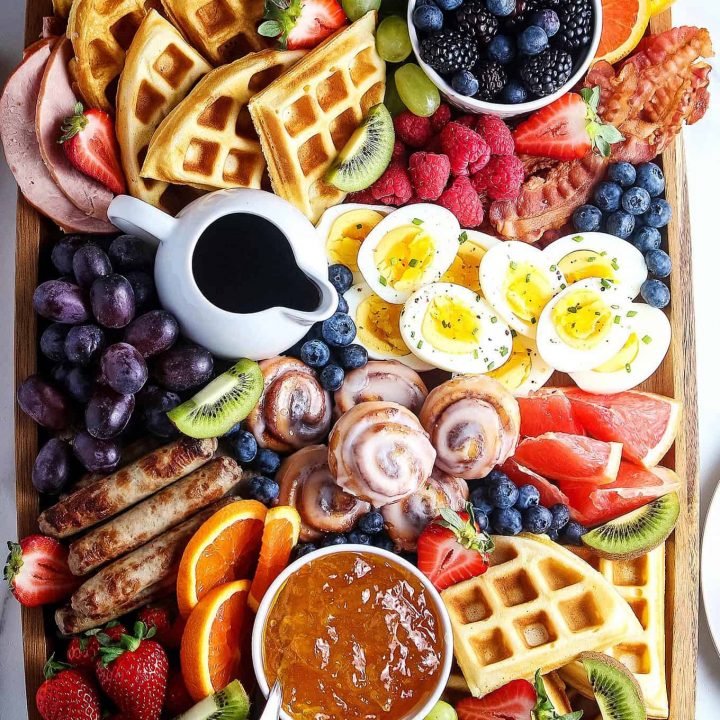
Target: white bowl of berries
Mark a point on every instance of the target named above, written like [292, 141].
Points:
[504, 57]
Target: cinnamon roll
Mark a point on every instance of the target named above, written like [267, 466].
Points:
[294, 410]
[387, 380]
[380, 453]
[405, 520]
[307, 484]
[473, 422]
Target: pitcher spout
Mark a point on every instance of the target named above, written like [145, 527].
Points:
[327, 304]
[138, 218]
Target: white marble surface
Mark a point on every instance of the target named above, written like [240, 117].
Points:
[704, 170]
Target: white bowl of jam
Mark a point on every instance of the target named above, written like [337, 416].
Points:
[353, 633]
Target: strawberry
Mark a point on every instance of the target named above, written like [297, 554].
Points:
[452, 548]
[567, 129]
[37, 571]
[83, 651]
[301, 24]
[133, 674]
[88, 138]
[177, 697]
[514, 701]
[66, 694]
[168, 625]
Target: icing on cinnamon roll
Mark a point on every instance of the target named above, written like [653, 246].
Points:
[294, 410]
[405, 520]
[473, 422]
[307, 484]
[382, 380]
[379, 452]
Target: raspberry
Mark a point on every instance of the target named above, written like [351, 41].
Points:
[463, 146]
[413, 130]
[440, 118]
[481, 162]
[399, 152]
[364, 197]
[501, 178]
[434, 145]
[429, 174]
[497, 135]
[394, 187]
[463, 202]
[467, 121]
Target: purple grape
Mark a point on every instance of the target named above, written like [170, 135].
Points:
[51, 471]
[183, 368]
[60, 372]
[124, 368]
[156, 403]
[143, 285]
[152, 333]
[62, 302]
[90, 263]
[44, 403]
[108, 412]
[52, 342]
[112, 300]
[96, 455]
[79, 385]
[64, 251]
[131, 253]
[84, 343]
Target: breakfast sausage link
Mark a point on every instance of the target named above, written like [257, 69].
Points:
[117, 492]
[154, 516]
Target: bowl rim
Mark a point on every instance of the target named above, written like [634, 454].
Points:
[272, 592]
[506, 109]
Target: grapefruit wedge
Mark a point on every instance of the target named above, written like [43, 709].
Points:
[547, 410]
[550, 494]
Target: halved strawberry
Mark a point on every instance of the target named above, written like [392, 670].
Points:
[300, 24]
[452, 548]
[567, 129]
[514, 701]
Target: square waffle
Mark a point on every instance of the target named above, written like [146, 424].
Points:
[537, 607]
[308, 114]
[208, 140]
[160, 69]
[223, 30]
[641, 582]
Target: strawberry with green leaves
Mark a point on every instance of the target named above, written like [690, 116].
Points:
[83, 650]
[66, 694]
[544, 708]
[301, 24]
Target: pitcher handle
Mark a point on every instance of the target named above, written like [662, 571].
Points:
[138, 218]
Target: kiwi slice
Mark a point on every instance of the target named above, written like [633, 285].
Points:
[224, 402]
[616, 690]
[367, 153]
[232, 703]
[636, 533]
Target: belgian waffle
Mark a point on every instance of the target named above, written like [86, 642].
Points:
[537, 607]
[641, 582]
[160, 69]
[209, 140]
[223, 30]
[101, 33]
[308, 114]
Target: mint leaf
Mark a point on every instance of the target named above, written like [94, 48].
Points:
[270, 28]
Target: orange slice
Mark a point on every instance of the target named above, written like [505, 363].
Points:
[281, 533]
[624, 24]
[215, 640]
[224, 548]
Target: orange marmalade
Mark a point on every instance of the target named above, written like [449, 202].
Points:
[353, 635]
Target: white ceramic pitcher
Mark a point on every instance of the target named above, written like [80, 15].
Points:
[226, 334]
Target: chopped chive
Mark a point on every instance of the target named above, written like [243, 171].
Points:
[647, 339]
[420, 344]
[605, 283]
[382, 280]
[614, 264]
[417, 221]
[553, 268]
[616, 319]
[493, 319]
[463, 237]
[513, 265]
[563, 286]
[603, 253]
[627, 367]
[572, 309]
[413, 262]
[632, 313]
[491, 366]
[578, 238]
[475, 354]
[504, 351]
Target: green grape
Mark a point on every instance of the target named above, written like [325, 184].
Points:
[393, 40]
[442, 711]
[392, 99]
[394, 7]
[355, 9]
[416, 90]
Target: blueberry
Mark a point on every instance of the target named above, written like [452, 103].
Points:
[658, 263]
[501, 49]
[560, 516]
[587, 218]
[478, 499]
[447, 5]
[506, 521]
[532, 40]
[655, 293]
[481, 519]
[622, 173]
[465, 83]
[263, 489]
[658, 214]
[267, 461]
[528, 496]
[607, 196]
[650, 177]
[332, 377]
[548, 20]
[514, 92]
[244, 447]
[352, 357]
[646, 239]
[333, 539]
[383, 541]
[371, 523]
[494, 475]
[554, 535]
[315, 353]
[636, 200]
[358, 538]
[341, 277]
[573, 532]
[234, 430]
[501, 8]
[620, 224]
[338, 330]
[537, 519]
[502, 493]
[427, 18]
[302, 549]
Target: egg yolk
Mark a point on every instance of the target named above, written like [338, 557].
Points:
[516, 370]
[582, 319]
[347, 234]
[624, 359]
[583, 264]
[465, 269]
[450, 326]
[527, 291]
[403, 256]
[378, 326]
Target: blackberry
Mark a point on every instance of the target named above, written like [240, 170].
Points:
[449, 51]
[547, 72]
[576, 20]
[492, 78]
[525, 9]
[475, 20]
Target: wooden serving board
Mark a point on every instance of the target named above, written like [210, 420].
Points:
[675, 377]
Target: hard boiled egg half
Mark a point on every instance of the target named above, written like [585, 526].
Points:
[454, 329]
[525, 371]
[465, 268]
[638, 358]
[411, 247]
